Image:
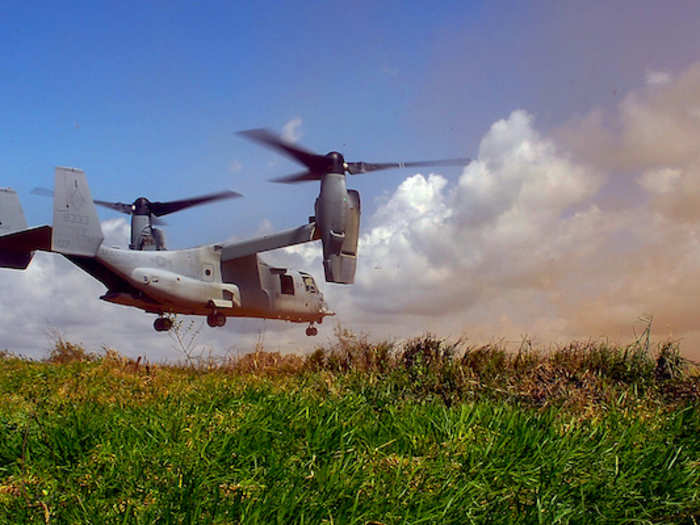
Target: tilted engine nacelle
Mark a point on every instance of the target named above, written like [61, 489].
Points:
[337, 209]
[144, 236]
[168, 286]
[338, 220]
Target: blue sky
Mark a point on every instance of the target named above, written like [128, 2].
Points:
[146, 97]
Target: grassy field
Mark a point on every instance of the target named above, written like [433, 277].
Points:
[424, 432]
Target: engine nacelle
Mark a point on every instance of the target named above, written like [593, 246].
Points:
[340, 227]
[172, 287]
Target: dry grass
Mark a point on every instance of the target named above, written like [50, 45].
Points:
[578, 375]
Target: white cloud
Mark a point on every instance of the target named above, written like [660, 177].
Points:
[117, 232]
[660, 181]
[654, 126]
[444, 248]
[526, 241]
[291, 131]
[657, 78]
[265, 227]
[536, 236]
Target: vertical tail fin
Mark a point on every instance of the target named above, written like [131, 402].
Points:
[12, 220]
[76, 227]
[11, 214]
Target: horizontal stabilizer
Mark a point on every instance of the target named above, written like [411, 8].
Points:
[37, 238]
[15, 260]
[17, 242]
[17, 248]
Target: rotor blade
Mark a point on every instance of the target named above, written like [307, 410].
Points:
[302, 176]
[44, 192]
[267, 138]
[158, 222]
[164, 208]
[364, 167]
[117, 206]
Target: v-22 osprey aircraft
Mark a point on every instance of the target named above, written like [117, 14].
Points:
[227, 279]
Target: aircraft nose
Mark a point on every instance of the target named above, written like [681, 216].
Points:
[323, 308]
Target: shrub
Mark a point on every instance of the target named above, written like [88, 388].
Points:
[487, 362]
[431, 368]
[351, 352]
[66, 352]
[669, 363]
[260, 362]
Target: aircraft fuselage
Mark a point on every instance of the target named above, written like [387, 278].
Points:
[196, 282]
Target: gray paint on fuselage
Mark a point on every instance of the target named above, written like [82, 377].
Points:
[259, 284]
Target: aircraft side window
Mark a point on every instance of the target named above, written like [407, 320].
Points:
[287, 284]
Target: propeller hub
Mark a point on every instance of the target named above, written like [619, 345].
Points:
[318, 165]
[336, 162]
[141, 206]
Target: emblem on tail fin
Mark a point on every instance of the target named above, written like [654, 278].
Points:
[76, 227]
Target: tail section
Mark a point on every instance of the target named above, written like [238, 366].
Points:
[13, 254]
[17, 242]
[11, 214]
[76, 227]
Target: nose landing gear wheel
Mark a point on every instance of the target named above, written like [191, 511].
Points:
[216, 319]
[311, 331]
[162, 324]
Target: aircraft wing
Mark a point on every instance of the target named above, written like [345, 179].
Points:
[235, 250]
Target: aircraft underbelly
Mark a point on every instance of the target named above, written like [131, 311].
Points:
[144, 303]
[243, 293]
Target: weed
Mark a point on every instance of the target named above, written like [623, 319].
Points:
[669, 362]
[64, 352]
[184, 334]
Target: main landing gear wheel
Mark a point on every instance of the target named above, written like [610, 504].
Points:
[216, 319]
[162, 324]
[311, 331]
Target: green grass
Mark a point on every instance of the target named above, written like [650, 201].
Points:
[427, 432]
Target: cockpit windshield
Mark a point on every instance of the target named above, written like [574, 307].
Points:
[309, 283]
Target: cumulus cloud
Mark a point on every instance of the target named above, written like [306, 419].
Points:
[458, 247]
[291, 131]
[535, 237]
[657, 78]
[654, 126]
[445, 251]
[117, 232]
[53, 296]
